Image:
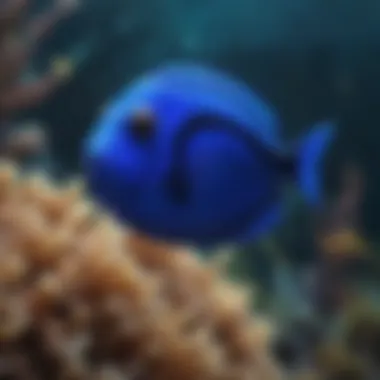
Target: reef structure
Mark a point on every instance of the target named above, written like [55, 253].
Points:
[81, 298]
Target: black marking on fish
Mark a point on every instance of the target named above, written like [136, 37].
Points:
[178, 182]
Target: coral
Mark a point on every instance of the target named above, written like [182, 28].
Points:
[23, 141]
[339, 242]
[363, 333]
[80, 298]
[17, 44]
[338, 236]
[17, 48]
[335, 362]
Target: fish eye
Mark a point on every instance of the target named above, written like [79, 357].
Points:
[142, 125]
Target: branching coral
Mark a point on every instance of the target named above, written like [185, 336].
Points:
[339, 241]
[339, 236]
[81, 299]
[17, 45]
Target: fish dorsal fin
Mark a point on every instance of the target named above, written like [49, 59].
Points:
[217, 90]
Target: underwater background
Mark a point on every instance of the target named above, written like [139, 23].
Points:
[313, 60]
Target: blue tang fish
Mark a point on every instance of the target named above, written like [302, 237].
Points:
[187, 153]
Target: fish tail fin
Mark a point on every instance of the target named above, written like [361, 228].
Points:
[311, 151]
